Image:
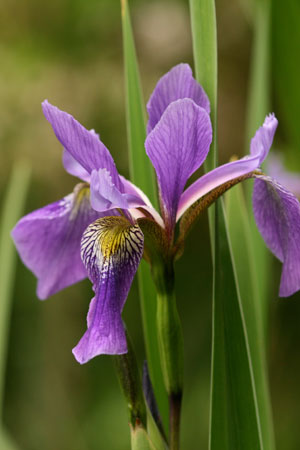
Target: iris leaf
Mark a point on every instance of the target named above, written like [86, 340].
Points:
[258, 108]
[253, 262]
[12, 209]
[240, 231]
[234, 422]
[142, 175]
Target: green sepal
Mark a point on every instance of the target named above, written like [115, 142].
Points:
[156, 244]
[140, 439]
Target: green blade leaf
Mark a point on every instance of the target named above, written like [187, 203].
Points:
[204, 34]
[234, 417]
[6, 442]
[142, 172]
[258, 107]
[12, 209]
[235, 422]
[240, 232]
[142, 175]
[253, 263]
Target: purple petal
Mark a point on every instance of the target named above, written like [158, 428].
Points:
[48, 241]
[177, 84]
[277, 215]
[111, 250]
[74, 168]
[290, 180]
[105, 195]
[85, 146]
[177, 146]
[260, 145]
[134, 191]
[262, 141]
[215, 178]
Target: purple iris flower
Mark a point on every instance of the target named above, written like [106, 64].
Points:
[276, 169]
[100, 219]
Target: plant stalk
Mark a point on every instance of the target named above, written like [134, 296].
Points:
[170, 343]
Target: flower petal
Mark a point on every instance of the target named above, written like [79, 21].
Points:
[177, 84]
[133, 190]
[85, 146]
[177, 146]
[48, 241]
[260, 145]
[105, 195]
[213, 179]
[277, 215]
[74, 168]
[262, 141]
[111, 249]
[290, 180]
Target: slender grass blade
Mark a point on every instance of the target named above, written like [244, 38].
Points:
[235, 422]
[12, 209]
[142, 175]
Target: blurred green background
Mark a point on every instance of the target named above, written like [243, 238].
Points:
[70, 52]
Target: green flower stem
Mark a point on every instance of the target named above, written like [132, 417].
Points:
[175, 409]
[170, 344]
[130, 381]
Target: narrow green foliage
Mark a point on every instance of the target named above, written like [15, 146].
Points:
[140, 439]
[6, 443]
[286, 71]
[240, 232]
[131, 385]
[142, 172]
[154, 433]
[235, 422]
[259, 88]
[142, 175]
[252, 263]
[12, 209]
[204, 34]
[258, 107]
[234, 418]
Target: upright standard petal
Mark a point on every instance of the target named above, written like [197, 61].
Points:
[111, 250]
[177, 146]
[262, 141]
[177, 84]
[85, 146]
[277, 215]
[48, 241]
[260, 146]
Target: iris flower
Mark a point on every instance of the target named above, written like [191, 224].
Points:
[96, 232]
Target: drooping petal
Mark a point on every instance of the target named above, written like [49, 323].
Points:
[277, 215]
[177, 84]
[177, 146]
[85, 146]
[262, 141]
[48, 241]
[260, 145]
[105, 195]
[275, 169]
[74, 168]
[111, 250]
